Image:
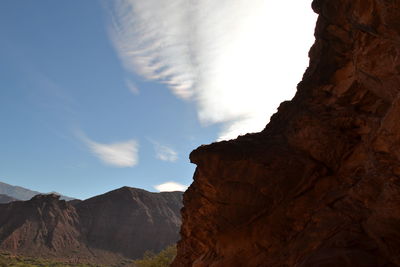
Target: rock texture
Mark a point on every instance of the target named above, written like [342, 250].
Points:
[106, 229]
[320, 185]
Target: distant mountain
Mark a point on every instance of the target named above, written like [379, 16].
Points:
[6, 199]
[22, 193]
[106, 229]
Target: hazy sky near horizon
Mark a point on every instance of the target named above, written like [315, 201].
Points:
[95, 95]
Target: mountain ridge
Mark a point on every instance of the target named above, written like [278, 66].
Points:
[106, 229]
[22, 193]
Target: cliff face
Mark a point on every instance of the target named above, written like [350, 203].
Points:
[320, 185]
[121, 224]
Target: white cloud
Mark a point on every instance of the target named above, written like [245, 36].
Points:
[165, 153]
[237, 59]
[170, 186]
[121, 154]
[132, 86]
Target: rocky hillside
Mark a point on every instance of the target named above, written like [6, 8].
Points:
[41, 226]
[106, 229]
[320, 186]
[131, 221]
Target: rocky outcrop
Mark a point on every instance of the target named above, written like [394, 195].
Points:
[106, 229]
[320, 185]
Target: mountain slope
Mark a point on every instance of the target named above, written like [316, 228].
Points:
[105, 229]
[17, 191]
[151, 220]
[6, 199]
[38, 227]
[21, 193]
[320, 185]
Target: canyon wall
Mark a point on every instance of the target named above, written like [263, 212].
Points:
[320, 185]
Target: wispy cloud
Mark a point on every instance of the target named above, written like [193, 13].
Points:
[237, 59]
[170, 186]
[165, 153]
[120, 154]
[132, 86]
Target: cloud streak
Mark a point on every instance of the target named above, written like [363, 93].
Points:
[170, 187]
[165, 153]
[121, 154]
[237, 60]
[132, 87]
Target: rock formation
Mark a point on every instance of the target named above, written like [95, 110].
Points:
[107, 229]
[320, 185]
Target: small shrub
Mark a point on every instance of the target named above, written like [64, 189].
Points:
[162, 259]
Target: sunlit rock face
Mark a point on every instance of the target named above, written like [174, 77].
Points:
[320, 185]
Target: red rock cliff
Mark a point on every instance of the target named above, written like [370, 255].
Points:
[320, 185]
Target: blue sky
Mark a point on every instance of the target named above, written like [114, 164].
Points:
[95, 96]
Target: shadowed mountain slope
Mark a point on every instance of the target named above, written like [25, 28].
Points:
[136, 220]
[6, 199]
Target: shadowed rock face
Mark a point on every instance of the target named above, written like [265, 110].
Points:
[320, 185]
[105, 229]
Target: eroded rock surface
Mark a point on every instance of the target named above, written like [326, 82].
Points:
[320, 185]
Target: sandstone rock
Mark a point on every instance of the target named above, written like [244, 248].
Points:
[319, 186]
